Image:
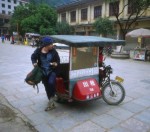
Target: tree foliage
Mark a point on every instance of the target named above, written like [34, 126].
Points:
[103, 26]
[64, 28]
[137, 9]
[39, 18]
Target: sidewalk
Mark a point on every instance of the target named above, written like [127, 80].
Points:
[133, 115]
[11, 119]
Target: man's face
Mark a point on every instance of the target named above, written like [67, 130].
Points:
[50, 46]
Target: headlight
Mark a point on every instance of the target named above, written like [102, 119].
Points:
[111, 70]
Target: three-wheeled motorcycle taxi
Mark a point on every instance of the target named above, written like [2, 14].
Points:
[79, 77]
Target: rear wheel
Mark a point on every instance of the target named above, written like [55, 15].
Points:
[114, 95]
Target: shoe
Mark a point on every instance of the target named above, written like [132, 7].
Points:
[51, 105]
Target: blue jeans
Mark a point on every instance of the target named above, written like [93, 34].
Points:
[49, 83]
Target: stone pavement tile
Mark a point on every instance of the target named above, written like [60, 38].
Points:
[106, 121]
[103, 109]
[28, 93]
[119, 129]
[87, 126]
[127, 99]
[143, 102]
[143, 116]
[11, 98]
[60, 110]
[39, 98]
[146, 97]
[39, 106]
[120, 113]
[133, 94]
[20, 95]
[133, 107]
[63, 123]
[44, 128]
[135, 125]
[40, 118]
[22, 103]
[26, 111]
[81, 115]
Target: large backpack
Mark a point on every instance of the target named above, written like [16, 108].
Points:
[34, 77]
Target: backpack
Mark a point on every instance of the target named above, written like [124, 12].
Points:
[34, 77]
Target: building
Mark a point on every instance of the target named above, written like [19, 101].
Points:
[82, 13]
[7, 7]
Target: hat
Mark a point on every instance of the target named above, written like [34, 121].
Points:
[47, 41]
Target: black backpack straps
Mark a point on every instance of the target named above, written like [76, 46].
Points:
[36, 87]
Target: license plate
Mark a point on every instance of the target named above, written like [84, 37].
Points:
[119, 79]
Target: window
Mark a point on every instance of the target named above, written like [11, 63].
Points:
[15, 7]
[131, 8]
[9, 0]
[3, 12]
[97, 11]
[3, 5]
[9, 12]
[15, 2]
[84, 14]
[73, 16]
[21, 3]
[81, 55]
[113, 8]
[63, 17]
[6, 20]
[9, 6]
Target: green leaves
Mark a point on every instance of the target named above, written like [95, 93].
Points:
[103, 26]
[63, 28]
[39, 18]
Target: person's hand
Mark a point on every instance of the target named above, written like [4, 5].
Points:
[53, 64]
[34, 64]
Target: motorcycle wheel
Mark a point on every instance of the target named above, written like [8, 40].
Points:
[115, 95]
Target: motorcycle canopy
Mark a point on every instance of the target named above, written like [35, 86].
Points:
[86, 41]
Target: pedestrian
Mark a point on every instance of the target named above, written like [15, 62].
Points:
[33, 42]
[3, 38]
[101, 57]
[48, 59]
[12, 42]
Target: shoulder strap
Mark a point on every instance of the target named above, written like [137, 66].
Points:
[36, 87]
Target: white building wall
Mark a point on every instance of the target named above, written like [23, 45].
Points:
[11, 4]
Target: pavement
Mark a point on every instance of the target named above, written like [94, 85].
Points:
[22, 109]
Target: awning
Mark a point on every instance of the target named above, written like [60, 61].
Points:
[82, 41]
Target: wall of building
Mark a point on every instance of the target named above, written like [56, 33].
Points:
[85, 27]
[7, 7]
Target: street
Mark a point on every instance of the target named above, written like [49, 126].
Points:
[132, 115]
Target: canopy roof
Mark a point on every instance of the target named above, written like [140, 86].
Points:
[82, 41]
[141, 32]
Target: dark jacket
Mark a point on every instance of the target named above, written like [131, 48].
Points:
[35, 58]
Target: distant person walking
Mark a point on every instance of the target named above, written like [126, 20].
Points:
[3, 38]
[12, 42]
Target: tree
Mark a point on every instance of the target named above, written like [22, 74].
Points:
[64, 28]
[136, 9]
[39, 18]
[103, 26]
[19, 14]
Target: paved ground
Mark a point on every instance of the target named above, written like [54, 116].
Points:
[26, 107]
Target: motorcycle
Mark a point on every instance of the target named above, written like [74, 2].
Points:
[113, 92]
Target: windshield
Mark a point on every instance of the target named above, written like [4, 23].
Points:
[85, 57]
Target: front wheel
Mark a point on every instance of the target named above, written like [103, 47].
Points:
[114, 95]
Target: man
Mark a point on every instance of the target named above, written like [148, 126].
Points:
[48, 59]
